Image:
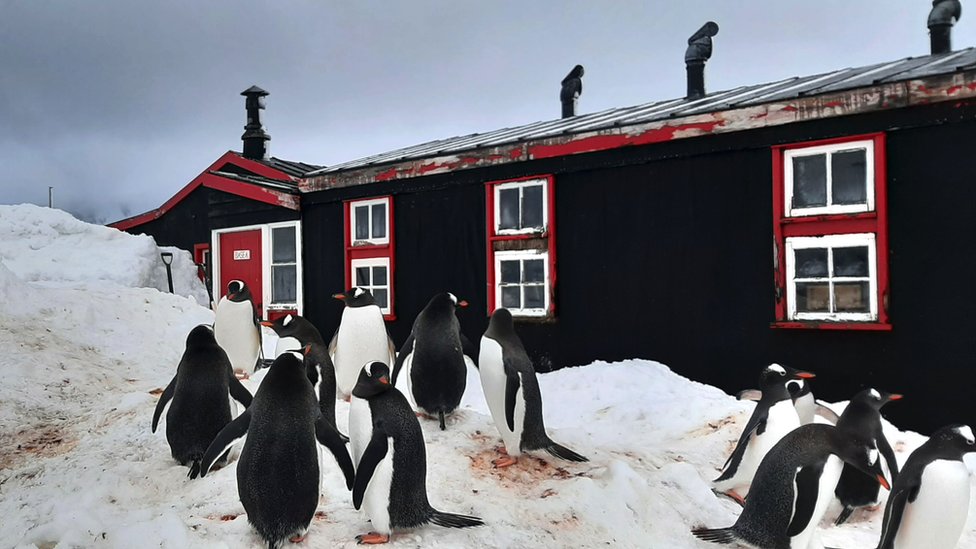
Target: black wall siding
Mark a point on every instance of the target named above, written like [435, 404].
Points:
[228, 210]
[182, 226]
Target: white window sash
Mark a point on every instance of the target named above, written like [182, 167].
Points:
[369, 220]
[830, 242]
[522, 255]
[790, 154]
[374, 262]
[521, 185]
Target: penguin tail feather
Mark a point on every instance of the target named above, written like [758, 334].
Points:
[563, 452]
[450, 520]
[844, 515]
[194, 467]
[440, 416]
[724, 536]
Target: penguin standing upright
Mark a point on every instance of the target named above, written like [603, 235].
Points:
[278, 471]
[929, 503]
[299, 333]
[862, 418]
[513, 395]
[360, 338]
[436, 373]
[391, 479]
[806, 405]
[773, 417]
[783, 505]
[199, 393]
[237, 328]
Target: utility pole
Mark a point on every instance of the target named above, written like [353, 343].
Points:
[50, 197]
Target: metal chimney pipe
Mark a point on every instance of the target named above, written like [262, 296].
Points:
[943, 16]
[571, 90]
[255, 138]
[699, 50]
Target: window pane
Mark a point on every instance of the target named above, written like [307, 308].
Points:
[284, 287]
[852, 297]
[534, 297]
[849, 177]
[511, 298]
[812, 297]
[379, 220]
[382, 297]
[811, 263]
[510, 272]
[283, 242]
[508, 207]
[379, 276]
[851, 261]
[532, 207]
[535, 270]
[362, 276]
[362, 223]
[809, 181]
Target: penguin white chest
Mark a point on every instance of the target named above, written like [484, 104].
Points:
[806, 408]
[362, 338]
[493, 381]
[360, 428]
[938, 515]
[236, 333]
[829, 476]
[780, 420]
[376, 499]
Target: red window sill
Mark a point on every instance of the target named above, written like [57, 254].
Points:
[819, 325]
[391, 316]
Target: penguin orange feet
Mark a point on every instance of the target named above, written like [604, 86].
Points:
[372, 538]
[241, 375]
[738, 499]
[297, 539]
[504, 461]
[501, 450]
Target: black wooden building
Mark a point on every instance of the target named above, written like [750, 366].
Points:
[814, 221]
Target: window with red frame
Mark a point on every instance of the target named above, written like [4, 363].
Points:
[830, 225]
[521, 246]
[369, 249]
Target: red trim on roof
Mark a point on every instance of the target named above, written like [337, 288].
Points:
[239, 188]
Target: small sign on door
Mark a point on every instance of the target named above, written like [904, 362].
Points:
[242, 255]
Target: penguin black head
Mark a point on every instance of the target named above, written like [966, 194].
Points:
[875, 398]
[289, 360]
[864, 456]
[200, 336]
[356, 297]
[953, 441]
[774, 375]
[374, 379]
[238, 291]
[500, 324]
[446, 301]
[288, 325]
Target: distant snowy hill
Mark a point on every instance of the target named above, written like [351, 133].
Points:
[88, 340]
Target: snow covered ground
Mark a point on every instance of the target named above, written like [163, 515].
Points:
[89, 340]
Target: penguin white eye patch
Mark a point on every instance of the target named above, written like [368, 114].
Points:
[359, 292]
[286, 321]
[966, 433]
[876, 395]
[776, 368]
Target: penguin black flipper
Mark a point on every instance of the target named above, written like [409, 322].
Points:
[163, 399]
[329, 437]
[238, 391]
[405, 351]
[227, 437]
[894, 510]
[512, 385]
[807, 484]
[372, 456]
[757, 425]
[888, 454]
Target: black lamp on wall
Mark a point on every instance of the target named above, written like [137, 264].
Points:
[168, 260]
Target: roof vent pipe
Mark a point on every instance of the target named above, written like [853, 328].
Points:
[255, 138]
[571, 90]
[699, 50]
[943, 16]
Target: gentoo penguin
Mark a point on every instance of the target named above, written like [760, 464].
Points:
[773, 417]
[436, 373]
[862, 418]
[929, 503]
[200, 406]
[807, 407]
[361, 338]
[391, 480]
[786, 503]
[301, 334]
[237, 329]
[278, 471]
[513, 395]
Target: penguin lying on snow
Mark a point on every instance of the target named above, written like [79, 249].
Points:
[513, 395]
[773, 417]
[278, 471]
[237, 328]
[788, 494]
[298, 333]
[360, 338]
[391, 478]
[200, 406]
[929, 503]
[436, 373]
[862, 418]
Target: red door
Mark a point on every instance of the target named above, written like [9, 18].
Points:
[240, 259]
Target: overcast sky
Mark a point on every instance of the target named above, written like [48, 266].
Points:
[118, 104]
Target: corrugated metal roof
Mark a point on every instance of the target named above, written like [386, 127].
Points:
[790, 88]
[294, 169]
[284, 186]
